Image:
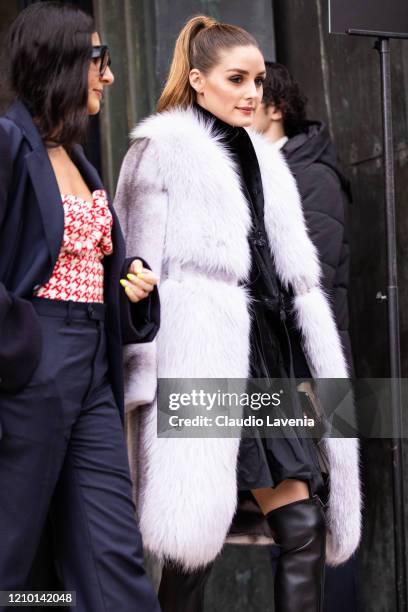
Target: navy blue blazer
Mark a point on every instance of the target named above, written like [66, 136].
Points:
[31, 232]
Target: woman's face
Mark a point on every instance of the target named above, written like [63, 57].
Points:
[96, 83]
[232, 90]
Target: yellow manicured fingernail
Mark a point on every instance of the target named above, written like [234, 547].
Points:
[140, 275]
[123, 282]
[131, 277]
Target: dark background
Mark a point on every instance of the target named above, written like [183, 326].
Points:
[368, 15]
[341, 77]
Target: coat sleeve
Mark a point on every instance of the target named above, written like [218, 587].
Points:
[141, 205]
[324, 207]
[20, 332]
[140, 322]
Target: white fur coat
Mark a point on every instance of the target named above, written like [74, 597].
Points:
[182, 209]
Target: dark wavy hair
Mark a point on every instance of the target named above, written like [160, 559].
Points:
[49, 49]
[281, 91]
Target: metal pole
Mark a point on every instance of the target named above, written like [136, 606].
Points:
[382, 45]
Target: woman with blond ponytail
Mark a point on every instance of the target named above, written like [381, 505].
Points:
[214, 209]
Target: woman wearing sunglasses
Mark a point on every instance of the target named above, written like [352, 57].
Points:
[63, 318]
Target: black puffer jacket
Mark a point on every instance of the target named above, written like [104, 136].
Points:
[325, 193]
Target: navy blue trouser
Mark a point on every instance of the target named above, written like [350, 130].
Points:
[62, 453]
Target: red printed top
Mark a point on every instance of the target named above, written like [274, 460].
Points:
[78, 273]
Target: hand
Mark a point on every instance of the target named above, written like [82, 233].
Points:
[140, 282]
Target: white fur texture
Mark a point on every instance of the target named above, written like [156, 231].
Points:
[322, 346]
[344, 512]
[321, 340]
[140, 365]
[294, 254]
[182, 209]
[188, 487]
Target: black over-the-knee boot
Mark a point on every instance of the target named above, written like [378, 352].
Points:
[299, 529]
[181, 590]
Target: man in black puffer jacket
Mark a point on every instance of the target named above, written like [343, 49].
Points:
[325, 194]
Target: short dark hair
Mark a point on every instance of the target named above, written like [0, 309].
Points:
[49, 47]
[281, 91]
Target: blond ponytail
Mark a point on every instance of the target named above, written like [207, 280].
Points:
[197, 46]
[178, 91]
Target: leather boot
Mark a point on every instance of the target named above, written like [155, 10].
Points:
[300, 531]
[183, 591]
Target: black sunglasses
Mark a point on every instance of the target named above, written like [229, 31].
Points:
[101, 52]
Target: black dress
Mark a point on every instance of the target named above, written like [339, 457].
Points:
[276, 351]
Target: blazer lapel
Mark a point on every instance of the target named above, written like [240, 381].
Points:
[43, 179]
[49, 199]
